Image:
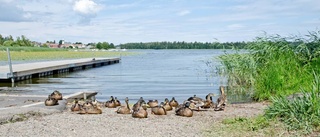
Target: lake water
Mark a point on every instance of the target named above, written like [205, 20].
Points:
[152, 74]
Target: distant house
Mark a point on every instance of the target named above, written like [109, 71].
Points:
[53, 45]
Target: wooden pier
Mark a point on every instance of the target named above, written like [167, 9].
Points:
[41, 69]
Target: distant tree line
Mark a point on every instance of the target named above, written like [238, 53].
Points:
[104, 45]
[22, 41]
[184, 45]
[19, 41]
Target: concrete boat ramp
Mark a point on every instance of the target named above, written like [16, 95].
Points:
[39, 69]
[19, 107]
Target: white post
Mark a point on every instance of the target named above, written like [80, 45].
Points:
[10, 65]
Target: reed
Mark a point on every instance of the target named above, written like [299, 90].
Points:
[301, 112]
[272, 66]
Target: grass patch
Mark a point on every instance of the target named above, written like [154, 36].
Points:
[272, 66]
[248, 127]
[30, 49]
[298, 113]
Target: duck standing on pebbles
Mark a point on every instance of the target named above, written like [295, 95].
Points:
[222, 100]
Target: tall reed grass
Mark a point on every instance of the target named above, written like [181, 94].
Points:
[301, 112]
[273, 66]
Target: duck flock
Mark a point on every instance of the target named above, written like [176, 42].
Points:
[139, 109]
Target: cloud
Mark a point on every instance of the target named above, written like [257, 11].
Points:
[184, 12]
[10, 12]
[86, 8]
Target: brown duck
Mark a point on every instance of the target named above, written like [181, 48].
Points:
[173, 102]
[152, 103]
[159, 110]
[185, 111]
[222, 100]
[140, 113]
[56, 95]
[51, 101]
[124, 109]
[167, 106]
[76, 106]
[111, 103]
[90, 110]
[117, 102]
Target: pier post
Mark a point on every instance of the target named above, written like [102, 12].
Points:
[10, 65]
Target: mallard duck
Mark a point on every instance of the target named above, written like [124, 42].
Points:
[159, 110]
[117, 102]
[152, 103]
[185, 111]
[222, 100]
[167, 106]
[87, 104]
[90, 110]
[195, 102]
[76, 106]
[140, 113]
[124, 109]
[111, 103]
[208, 102]
[56, 95]
[140, 103]
[173, 102]
[51, 101]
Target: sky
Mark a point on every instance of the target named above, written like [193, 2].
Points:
[124, 21]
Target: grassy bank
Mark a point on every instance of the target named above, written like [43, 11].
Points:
[273, 66]
[279, 69]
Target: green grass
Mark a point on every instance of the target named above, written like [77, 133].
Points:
[272, 66]
[298, 113]
[249, 127]
[30, 49]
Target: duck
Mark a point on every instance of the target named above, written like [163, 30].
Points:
[159, 110]
[195, 102]
[76, 106]
[208, 102]
[152, 103]
[110, 103]
[140, 113]
[173, 102]
[124, 109]
[222, 100]
[91, 110]
[167, 106]
[185, 111]
[140, 103]
[87, 104]
[117, 102]
[51, 101]
[56, 95]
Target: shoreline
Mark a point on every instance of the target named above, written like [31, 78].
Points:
[49, 121]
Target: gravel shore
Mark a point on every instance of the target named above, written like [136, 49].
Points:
[109, 123]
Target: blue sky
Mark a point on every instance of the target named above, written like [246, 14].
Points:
[123, 21]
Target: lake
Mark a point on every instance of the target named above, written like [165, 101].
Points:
[152, 74]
